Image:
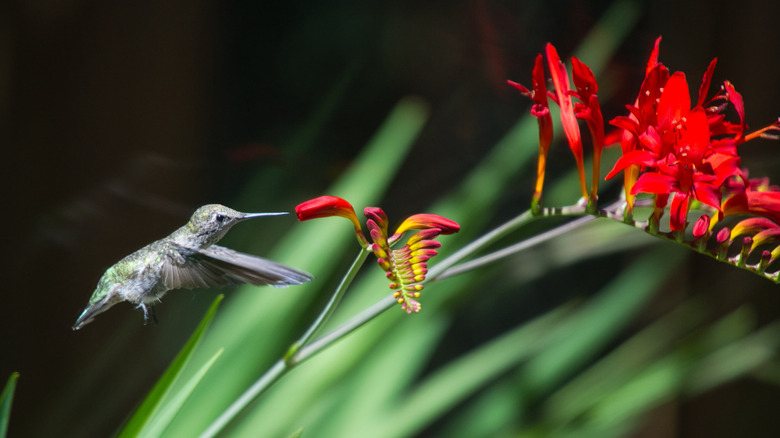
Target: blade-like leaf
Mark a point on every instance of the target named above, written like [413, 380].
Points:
[152, 402]
[159, 422]
[6, 398]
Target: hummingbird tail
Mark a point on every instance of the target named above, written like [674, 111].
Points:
[95, 309]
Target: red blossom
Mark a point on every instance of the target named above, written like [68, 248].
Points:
[327, 206]
[568, 119]
[426, 221]
[405, 267]
[541, 110]
[590, 111]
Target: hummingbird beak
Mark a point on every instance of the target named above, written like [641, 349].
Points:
[253, 215]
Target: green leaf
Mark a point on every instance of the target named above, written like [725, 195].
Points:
[152, 407]
[297, 434]
[158, 423]
[248, 314]
[6, 398]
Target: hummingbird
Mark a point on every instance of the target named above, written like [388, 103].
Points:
[186, 259]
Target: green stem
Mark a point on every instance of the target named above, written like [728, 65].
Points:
[446, 269]
[301, 350]
[294, 354]
[512, 249]
[485, 240]
[335, 299]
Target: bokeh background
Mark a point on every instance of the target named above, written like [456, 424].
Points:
[118, 119]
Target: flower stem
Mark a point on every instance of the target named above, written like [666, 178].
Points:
[294, 354]
[302, 350]
[335, 299]
[512, 249]
[485, 240]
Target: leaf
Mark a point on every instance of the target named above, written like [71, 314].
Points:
[158, 423]
[297, 434]
[152, 404]
[6, 398]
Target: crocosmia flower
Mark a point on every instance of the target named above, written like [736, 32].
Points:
[540, 110]
[406, 266]
[587, 109]
[683, 153]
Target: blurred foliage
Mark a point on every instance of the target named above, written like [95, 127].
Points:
[159, 407]
[6, 399]
[601, 332]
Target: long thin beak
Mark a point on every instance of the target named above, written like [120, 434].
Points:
[253, 215]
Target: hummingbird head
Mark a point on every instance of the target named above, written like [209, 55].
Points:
[211, 222]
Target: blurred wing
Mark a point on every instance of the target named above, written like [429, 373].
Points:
[237, 267]
[184, 269]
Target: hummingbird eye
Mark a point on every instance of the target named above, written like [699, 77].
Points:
[220, 217]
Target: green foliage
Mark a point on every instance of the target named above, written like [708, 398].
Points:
[6, 399]
[578, 369]
[554, 341]
[161, 405]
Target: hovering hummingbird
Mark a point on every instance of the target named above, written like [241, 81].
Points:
[186, 259]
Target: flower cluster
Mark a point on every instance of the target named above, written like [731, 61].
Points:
[682, 153]
[587, 109]
[405, 267]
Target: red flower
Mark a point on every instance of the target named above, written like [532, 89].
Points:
[405, 267]
[568, 119]
[590, 111]
[540, 110]
[327, 206]
[674, 143]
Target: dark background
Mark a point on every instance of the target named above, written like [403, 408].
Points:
[118, 119]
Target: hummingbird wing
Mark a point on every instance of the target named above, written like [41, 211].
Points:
[217, 266]
[185, 269]
[246, 268]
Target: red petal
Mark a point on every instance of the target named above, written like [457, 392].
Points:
[736, 100]
[561, 80]
[675, 102]
[752, 225]
[520, 88]
[644, 158]
[652, 182]
[583, 79]
[701, 227]
[653, 60]
[679, 211]
[326, 206]
[425, 221]
[705, 82]
[694, 138]
[707, 194]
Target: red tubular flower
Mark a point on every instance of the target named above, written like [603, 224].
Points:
[405, 267]
[590, 111]
[679, 148]
[641, 116]
[568, 119]
[423, 222]
[753, 226]
[540, 110]
[765, 204]
[327, 206]
[687, 153]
